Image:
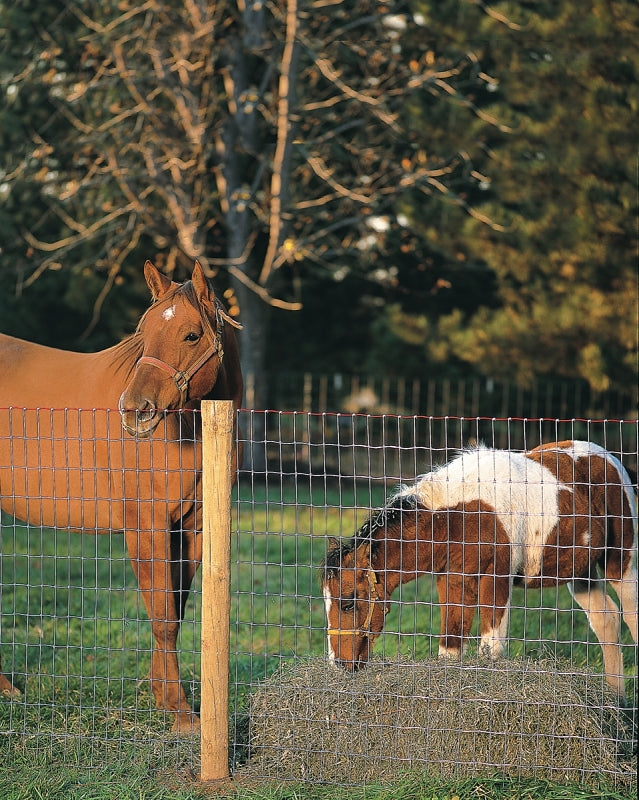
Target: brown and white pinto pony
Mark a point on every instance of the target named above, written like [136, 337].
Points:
[563, 513]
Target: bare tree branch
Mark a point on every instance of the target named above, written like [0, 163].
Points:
[284, 128]
[187, 121]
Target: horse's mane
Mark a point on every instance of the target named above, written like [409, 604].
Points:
[124, 355]
[378, 520]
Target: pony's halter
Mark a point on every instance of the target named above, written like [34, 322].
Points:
[373, 598]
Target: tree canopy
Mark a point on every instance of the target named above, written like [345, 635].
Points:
[408, 187]
[564, 186]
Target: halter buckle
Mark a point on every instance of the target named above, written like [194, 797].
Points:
[181, 380]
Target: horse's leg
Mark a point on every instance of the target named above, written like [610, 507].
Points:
[603, 616]
[494, 609]
[7, 689]
[457, 600]
[150, 558]
[186, 557]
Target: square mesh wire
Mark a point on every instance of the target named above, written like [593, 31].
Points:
[76, 640]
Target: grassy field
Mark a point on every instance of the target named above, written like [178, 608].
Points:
[75, 637]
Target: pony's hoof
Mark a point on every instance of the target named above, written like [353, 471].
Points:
[186, 722]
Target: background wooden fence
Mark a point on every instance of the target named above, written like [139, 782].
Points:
[470, 396]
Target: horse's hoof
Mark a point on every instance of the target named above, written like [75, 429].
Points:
[7, 689]
[186, 722]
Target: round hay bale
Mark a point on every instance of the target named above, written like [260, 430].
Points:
[522, 718]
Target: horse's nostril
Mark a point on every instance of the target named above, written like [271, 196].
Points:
[145, 410]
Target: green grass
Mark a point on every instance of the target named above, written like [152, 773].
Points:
[30, 781]
[75, 636]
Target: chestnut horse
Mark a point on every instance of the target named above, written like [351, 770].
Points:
[562, 513]
[87, 443]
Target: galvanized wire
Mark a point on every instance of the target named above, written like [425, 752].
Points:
[76, 639]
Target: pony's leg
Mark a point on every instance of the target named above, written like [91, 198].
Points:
[150, 558]
[457, 599]
[494, 610]
[626, 590]
[603, 616]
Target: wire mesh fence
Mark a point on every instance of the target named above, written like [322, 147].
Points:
[76, 636]
[77, 642]
[544, 710]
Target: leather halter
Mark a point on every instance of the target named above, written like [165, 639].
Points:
[373, 598]
[181, 378]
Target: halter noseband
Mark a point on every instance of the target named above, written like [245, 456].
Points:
[181, 378]
[373, 598]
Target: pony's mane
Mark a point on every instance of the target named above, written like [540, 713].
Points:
[403, 499]
[378, 521]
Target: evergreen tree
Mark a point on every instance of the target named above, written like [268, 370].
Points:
[562, 184]
[35, 291]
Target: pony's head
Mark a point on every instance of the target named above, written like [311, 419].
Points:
[182, 350]
[354, 600]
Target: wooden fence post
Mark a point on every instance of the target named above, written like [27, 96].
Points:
[217, 444]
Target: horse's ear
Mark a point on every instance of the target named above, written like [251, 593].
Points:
[333, 544]
[206, 296]
[203, 290]
[158, 284]
[200, 284]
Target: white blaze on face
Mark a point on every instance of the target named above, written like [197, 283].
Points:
[328, 601]
[169, 313]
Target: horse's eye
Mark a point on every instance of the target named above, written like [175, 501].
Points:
[347, 605]
[192, 337]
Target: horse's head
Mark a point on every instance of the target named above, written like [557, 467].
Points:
[183, 348]
[355, 603]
